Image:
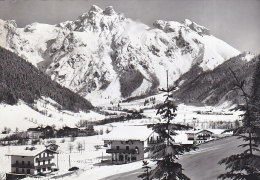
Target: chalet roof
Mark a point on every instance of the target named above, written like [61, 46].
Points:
[69, 128]
[217, 131]
[197, 131]
[125, 133]
[27, 151]
[35, 129]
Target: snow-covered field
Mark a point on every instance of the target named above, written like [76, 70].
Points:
[22, 116]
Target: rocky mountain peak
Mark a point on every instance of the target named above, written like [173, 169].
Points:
[109, 11]
[96, 20]
[104, 55]
[195, 27]
[95, 9]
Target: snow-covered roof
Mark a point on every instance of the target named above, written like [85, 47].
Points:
[129, 133]
[197, 131]
[216, 131]
[182, 138]
[23, 151]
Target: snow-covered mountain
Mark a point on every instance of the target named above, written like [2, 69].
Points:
[104, 55]
[217, 86]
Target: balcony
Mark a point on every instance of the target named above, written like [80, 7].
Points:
[44, 158]
[152, 142]
[45, 165]
[124, 151]
[19, 165]
[201, 137]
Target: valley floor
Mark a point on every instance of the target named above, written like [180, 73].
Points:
[201, 164]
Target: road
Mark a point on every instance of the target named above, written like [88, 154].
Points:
[201, 164]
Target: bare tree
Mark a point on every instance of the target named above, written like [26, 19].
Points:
[79, 146]
[71, 146]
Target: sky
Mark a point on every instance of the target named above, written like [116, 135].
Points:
[234, 21]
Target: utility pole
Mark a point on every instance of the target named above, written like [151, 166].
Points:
[69, 161]
[57, 161]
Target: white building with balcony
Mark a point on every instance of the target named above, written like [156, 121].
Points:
[31, 161]
[127, 143]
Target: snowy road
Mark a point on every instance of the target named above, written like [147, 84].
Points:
[200, 164]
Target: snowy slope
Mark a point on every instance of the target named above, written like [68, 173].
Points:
[104, 55]
[22, 116]
[214, 87]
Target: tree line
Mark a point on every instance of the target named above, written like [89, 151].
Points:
[21, 80]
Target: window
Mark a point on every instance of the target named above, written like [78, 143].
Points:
[22, 162]
[49, 161]
[136, 149]
[23, 171]
[121, 157]
[17, 162]
[133, 158]
[38, 170]
[49, 168]
[191, 138]
[48, 154]
[43, 169]
[117, 147]
[39, 163]
[127, 148]
[29, 163]
[43, 154]
[17, 170]
[28, 171]
[43, 162]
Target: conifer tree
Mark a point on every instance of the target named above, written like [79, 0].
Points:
[146, 173]
[166, 154]
[246, 165]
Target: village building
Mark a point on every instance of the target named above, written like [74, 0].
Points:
[87, 131]
[48, 132]
[34, 133]
[15, 139]
[68, 132]
[127, 144]
[199, 136]
[31, 161]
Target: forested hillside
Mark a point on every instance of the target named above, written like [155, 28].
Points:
[21, 80]
[216, 86]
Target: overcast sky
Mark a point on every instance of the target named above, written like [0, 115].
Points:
[235, 21]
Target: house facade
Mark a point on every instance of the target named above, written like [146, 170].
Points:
[127, 144]
[68, 132]
[31, 161]
[199, 136]
[34, 133]
[126, 151]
